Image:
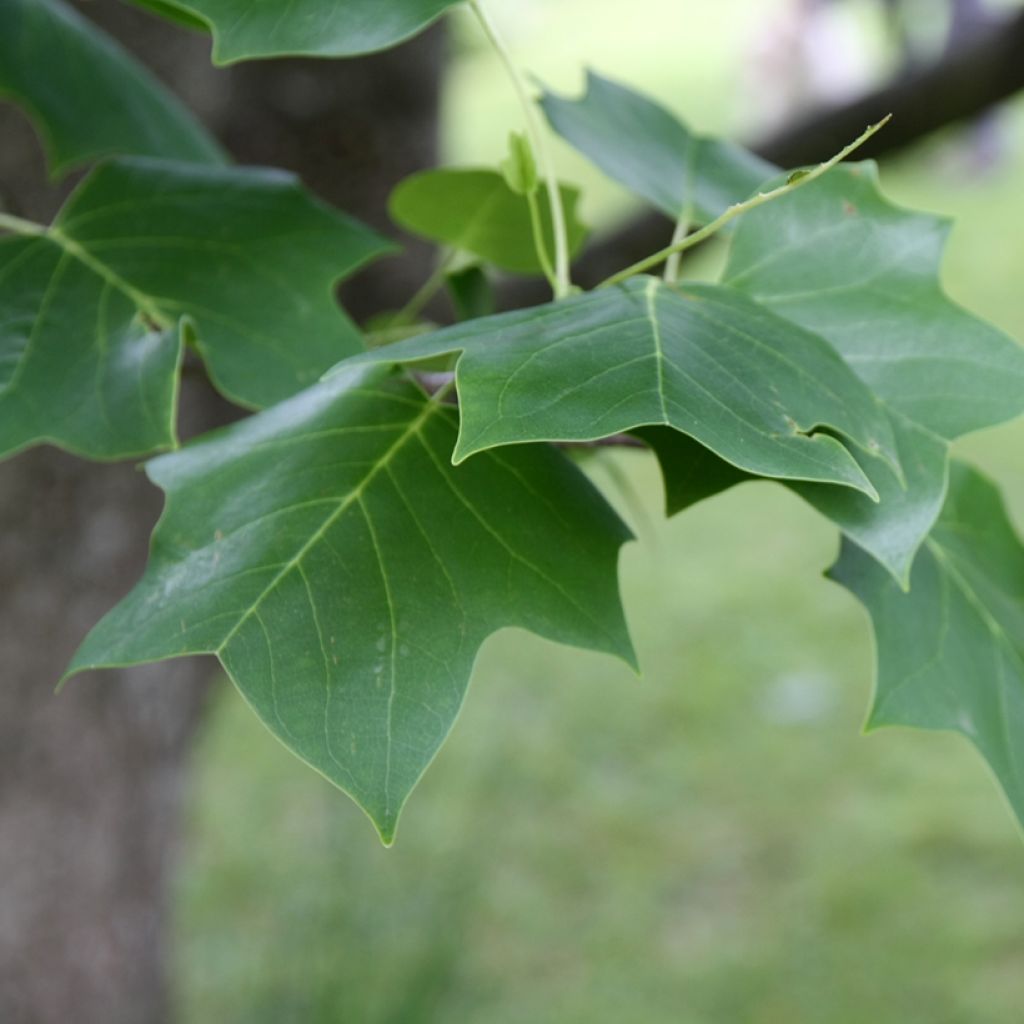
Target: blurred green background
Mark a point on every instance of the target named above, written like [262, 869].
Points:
[716, 841]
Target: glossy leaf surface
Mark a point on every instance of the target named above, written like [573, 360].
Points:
[477, 212]
[951, 651]
[644, 147]
[244, 29]
[706, 361]
[86, 95]
[838, 258]
[92, 308]
[345, 573]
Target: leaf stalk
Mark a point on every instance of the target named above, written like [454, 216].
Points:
[562, 283]
[795, 181]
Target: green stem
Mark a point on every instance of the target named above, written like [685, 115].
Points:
[562, 281]
[19, 226]
[797, 180]
[675, 261]
[539, 240]
[427, 291]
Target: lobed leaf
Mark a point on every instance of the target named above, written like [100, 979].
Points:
[477, 212]
[346, 574]
[839, 259]
[764, 394]
[951, 651]
[246, 29]
[644, 147]
[93, 307]
[86, 95]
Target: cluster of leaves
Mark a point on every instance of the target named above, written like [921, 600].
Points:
[346, 550]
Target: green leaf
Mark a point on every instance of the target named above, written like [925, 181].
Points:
[639, 144]
[765, 395]
[92, 307]
[79, 367]
[471, 293]
[840, 260]
[245, 29]
[477, 212]
[519, 168]
[890, 528]
[167, 9]
[951, 651]
[87, 96]
[346, 574]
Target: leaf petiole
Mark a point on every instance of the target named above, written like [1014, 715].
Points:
[793, 182]
[540, 242]
[562, 283]
[20, 226]
[433, 284]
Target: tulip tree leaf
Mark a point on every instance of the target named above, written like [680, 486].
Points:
[951, 651]
[477, 212]
[92, 306]
[79, 367]
[765, 395]
[246, 29]
[345, 573]
[639, 144]
[87, 96]
[839, 259]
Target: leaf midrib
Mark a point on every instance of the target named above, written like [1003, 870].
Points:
[354, 496]
[142, 301]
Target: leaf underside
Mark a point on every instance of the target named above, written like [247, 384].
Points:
[345, 573]
[702, 359]
[87, 96]
[246, 29]
[89, 343]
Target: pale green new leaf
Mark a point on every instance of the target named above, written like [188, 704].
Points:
[765, 395]
[87, 97]
[477, 212]
[644, 147]
[345, 573]
[839, 259]
[951, 651]
[245, 29]
[91, 308]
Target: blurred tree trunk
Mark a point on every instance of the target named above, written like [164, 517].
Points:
[91, 780]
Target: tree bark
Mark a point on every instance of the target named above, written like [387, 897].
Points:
[91, 780]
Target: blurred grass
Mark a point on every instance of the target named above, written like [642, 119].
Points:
[713, 842]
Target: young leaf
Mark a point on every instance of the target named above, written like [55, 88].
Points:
[91, 307]
[87, 96]
[642, 146]
[346, 574]
[244, 29]
[765, 395]
[477, 212]
[519, 168]
[951, 651]
[837, 258]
